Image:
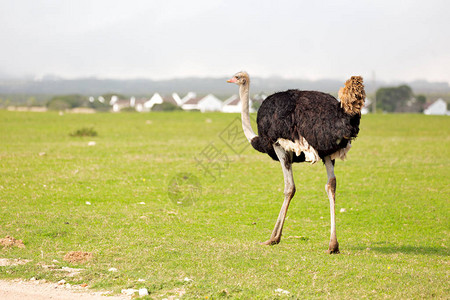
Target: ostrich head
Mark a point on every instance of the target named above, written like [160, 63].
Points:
[240, 78]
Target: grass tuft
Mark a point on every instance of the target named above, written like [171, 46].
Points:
[85, 131]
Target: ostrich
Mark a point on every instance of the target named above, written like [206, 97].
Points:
[298, 126]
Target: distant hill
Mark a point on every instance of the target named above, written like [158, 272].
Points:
[218, 86]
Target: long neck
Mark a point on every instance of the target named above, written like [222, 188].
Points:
[245, 114]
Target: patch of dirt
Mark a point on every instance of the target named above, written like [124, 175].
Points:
[38, 290]
[9, 242]
[4, 262]
[70, 272]
[78, 256]
[174, 294]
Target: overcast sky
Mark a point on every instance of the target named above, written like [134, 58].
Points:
[396, 40]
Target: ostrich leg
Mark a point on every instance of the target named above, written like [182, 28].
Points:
[330, 188]
[289, 191]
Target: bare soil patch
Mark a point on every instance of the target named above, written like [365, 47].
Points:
[13, 262]
[37, 290]
[78, 257]
[9, 242]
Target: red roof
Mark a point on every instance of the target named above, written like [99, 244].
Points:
[193, 101]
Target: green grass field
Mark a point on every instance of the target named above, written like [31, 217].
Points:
[394, 186]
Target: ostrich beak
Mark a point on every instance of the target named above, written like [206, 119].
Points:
[232, 80]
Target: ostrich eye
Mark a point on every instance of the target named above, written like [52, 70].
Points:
[237, 77]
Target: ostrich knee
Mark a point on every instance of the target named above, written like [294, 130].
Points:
[289, 191]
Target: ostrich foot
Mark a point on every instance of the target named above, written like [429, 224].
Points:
[329, 251]
[270, 242]
[333, 248]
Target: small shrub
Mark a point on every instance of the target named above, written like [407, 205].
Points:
[165, 106]
[128, 109]
[85, 131]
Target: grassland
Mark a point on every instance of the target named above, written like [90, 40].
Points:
[394, 234]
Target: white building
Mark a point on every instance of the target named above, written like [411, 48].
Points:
[191, 104]
[439, 107]
[113, 100]
[177, 99]
[120, 104]
[139, 104]
[210, 103]
[155, 99]
[207, 103]
[189, 96]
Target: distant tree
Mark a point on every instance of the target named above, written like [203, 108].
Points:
[165, 107]
[109, 95]
[97, 105]
[31, 101]
[67, 102]
[100, 106]
[6, 102]
[392, 99]
[128, 109]
[421, 100]
[58, 104]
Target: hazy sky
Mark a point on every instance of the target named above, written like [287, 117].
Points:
[398, 40]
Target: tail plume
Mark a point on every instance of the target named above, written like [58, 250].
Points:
[353, 95]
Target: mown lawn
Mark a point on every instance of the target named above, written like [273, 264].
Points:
[58, 194]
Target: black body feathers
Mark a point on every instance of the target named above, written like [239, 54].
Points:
[316, 116]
